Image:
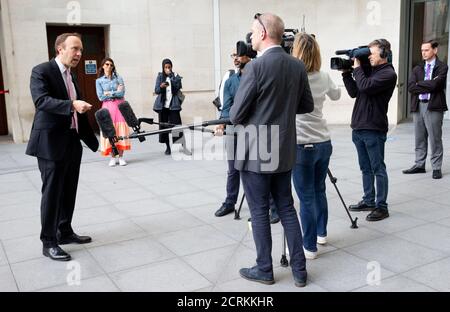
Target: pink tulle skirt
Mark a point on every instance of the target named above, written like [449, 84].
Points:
[119, 124]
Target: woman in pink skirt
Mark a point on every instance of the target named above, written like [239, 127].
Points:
[111, 91]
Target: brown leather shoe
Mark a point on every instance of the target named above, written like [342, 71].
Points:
[377, 215]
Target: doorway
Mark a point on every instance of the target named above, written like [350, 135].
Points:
[94, 52]
[3, 118]
[428, 19]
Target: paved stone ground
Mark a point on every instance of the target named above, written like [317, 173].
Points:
[154, 229]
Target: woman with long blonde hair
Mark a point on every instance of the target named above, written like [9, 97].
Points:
[313, 147]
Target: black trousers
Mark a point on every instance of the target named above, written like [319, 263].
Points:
[173, 117]
[59, 191]
[258, 188]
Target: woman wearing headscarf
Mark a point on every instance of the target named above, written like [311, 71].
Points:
[168, 104]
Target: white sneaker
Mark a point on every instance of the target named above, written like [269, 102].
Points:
[112, 162]
[122, 161]
[321, 240]
[185, 151]
[310, 255]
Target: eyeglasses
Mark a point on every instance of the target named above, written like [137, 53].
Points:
[234, 55]
[109, 64]
[257, 17]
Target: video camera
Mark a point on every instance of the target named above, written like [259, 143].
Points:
[245, 47]
[361, 53]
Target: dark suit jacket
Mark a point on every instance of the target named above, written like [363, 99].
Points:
[273, 89]
[435, 86]
[51, 126]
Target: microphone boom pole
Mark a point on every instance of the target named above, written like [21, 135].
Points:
[178, 128]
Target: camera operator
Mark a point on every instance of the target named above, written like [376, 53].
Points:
[272, 91]
[370, 125]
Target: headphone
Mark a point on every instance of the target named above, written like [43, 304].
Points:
[385, 48]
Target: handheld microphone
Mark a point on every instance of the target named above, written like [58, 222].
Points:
[130, 118]
[106, 126]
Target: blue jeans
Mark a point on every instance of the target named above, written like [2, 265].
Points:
[309, 176]
[258, 188]
[370, 147]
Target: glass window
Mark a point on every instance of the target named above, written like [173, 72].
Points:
[431, 21]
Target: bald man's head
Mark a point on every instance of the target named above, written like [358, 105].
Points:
[274, 26]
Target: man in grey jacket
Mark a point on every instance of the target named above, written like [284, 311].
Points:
[272, 91]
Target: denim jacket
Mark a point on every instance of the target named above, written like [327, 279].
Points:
[175, 104]
[103, 84]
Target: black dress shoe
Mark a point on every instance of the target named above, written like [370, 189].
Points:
[168, 151]
[437, 174]
[361, 206]
[413, 170]
[224, 210]
[300, 282]
[274, 219]
[74, 239]
[377, 215]
[256, 275]
[56, 253]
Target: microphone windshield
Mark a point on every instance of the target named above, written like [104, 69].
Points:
[105, 123]
[128, 115]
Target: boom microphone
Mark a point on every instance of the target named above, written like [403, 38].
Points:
[130, 118]
[106, 126]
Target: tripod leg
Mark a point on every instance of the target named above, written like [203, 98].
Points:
[284, 261]
[237, 213]
[334, 180]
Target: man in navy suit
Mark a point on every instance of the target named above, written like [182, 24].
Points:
[59, 124]
[273, 89]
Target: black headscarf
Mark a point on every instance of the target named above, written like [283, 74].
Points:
[164, 62]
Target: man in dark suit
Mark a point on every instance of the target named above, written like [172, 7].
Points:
[428, 104]
[59, 124]
[273, 89]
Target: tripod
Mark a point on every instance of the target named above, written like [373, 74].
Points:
[284, 261]
[333, 180]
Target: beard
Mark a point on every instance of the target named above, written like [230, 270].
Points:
[242, 65]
